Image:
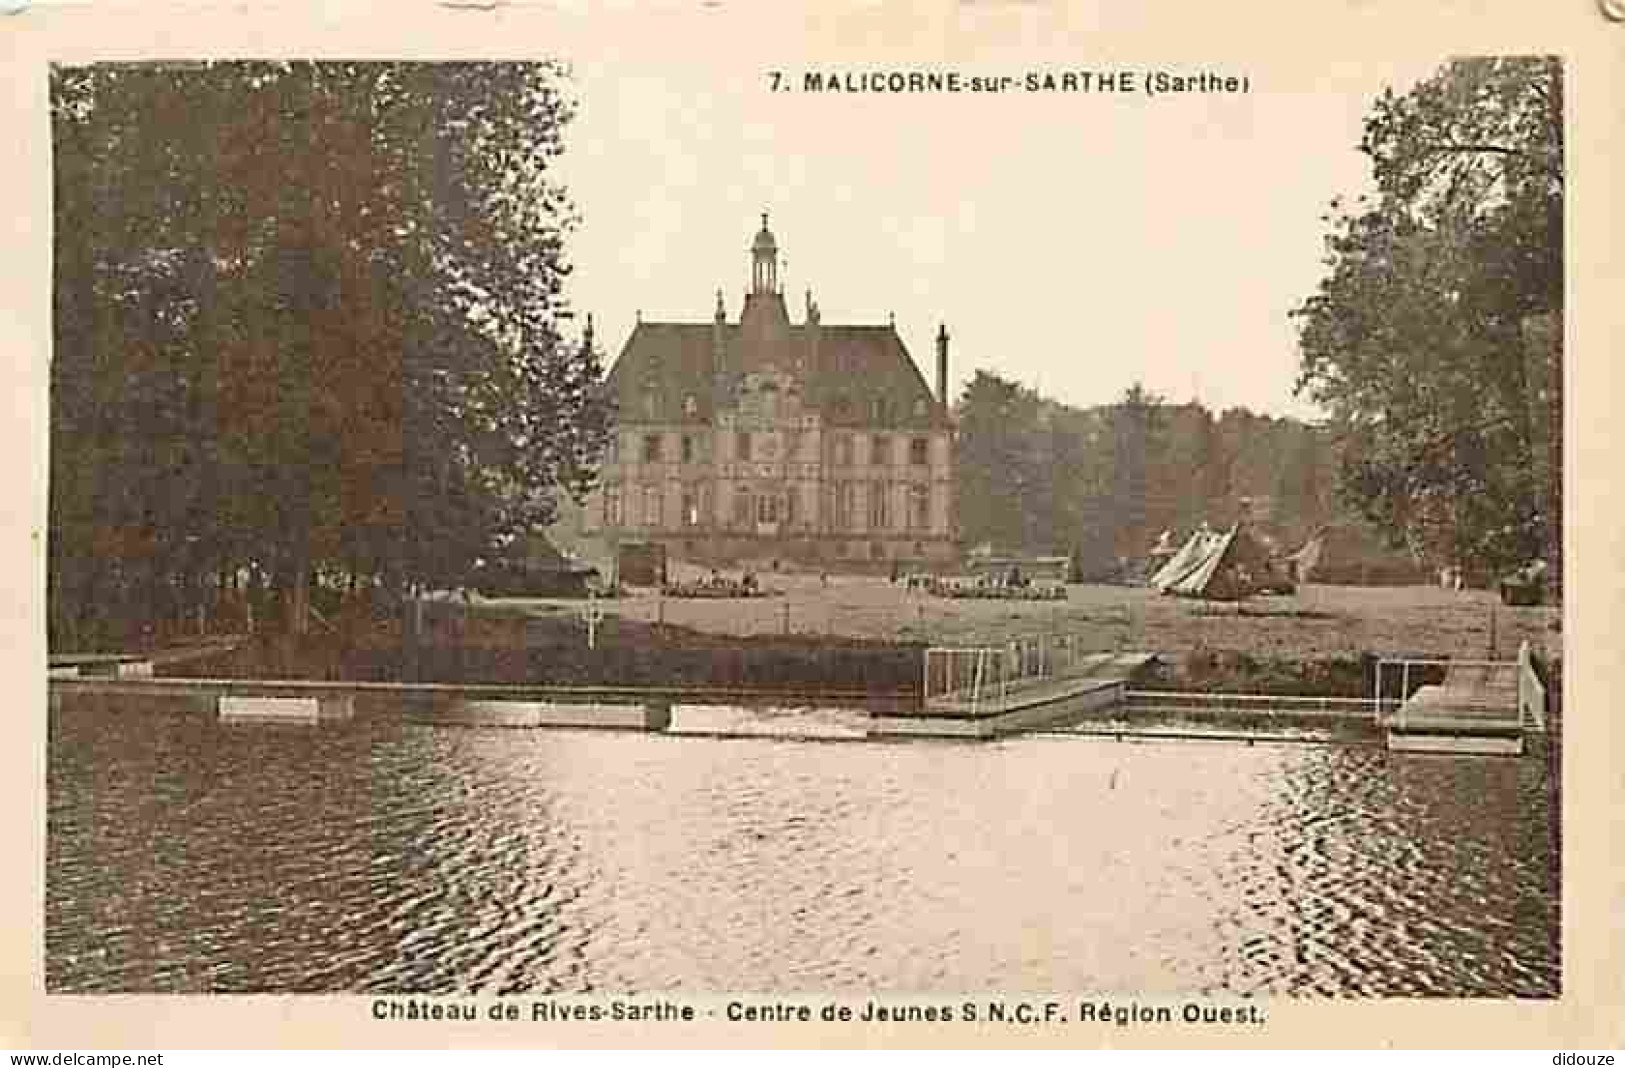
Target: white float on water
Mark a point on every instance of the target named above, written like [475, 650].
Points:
[265, 709]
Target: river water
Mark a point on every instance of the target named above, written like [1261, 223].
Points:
[379, 856]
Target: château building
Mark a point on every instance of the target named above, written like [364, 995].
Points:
[765, 439]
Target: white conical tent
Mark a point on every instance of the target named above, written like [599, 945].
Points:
[1217, 564]
[1196, 549]
[1197, 581]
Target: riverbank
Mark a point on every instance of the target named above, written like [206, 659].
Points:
[492, 644]
[867, 635]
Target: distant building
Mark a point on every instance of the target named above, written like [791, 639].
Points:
[764, 438]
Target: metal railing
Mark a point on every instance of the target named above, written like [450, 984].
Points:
[977, 679]
[1259, 704]
[1531, 692]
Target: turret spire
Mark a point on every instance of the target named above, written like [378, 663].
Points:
[764, 251]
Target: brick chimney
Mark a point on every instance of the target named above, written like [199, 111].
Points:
[942, 364]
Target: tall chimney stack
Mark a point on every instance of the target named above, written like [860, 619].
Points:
[942, 364]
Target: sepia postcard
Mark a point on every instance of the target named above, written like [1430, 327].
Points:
[992, 524]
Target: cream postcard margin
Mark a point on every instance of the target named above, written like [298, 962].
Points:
[1280, 39]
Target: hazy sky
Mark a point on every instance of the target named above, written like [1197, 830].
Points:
[1077, 243]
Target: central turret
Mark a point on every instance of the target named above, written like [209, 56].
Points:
[764, 276]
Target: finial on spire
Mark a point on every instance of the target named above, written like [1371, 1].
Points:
[640, 315]
[764, 219]
[891, 317]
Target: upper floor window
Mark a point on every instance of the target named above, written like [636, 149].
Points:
[690, 405]
[843, 450]
[919, 452]
[846, 497]
[651, 448]
[742, 445]
[880, 450]
[688, 448]
[919, 508]
[879, 506]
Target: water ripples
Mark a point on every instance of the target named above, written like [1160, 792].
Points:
[186, 856]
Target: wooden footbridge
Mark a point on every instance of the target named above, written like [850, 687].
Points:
[1480, 706]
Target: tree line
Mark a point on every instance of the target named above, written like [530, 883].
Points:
[1433, 344]
[1101, 484]
[310, 332]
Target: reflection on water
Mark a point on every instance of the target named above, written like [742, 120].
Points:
[373, 856]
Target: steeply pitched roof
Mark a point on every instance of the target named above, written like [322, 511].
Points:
[666, 362]
[856, 367]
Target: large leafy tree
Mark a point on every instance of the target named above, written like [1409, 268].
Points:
[1415, 339]
[309, 318]
[1000, 480]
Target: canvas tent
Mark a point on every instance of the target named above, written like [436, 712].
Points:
[1350, 554]
[1221, 565]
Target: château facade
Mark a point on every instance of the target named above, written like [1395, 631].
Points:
[766, 439]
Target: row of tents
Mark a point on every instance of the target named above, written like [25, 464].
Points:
[1235, 563]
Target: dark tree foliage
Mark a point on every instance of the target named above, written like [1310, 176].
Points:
[1102, 484]
[1000, 479]
[1415, 340]
[308, 323]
